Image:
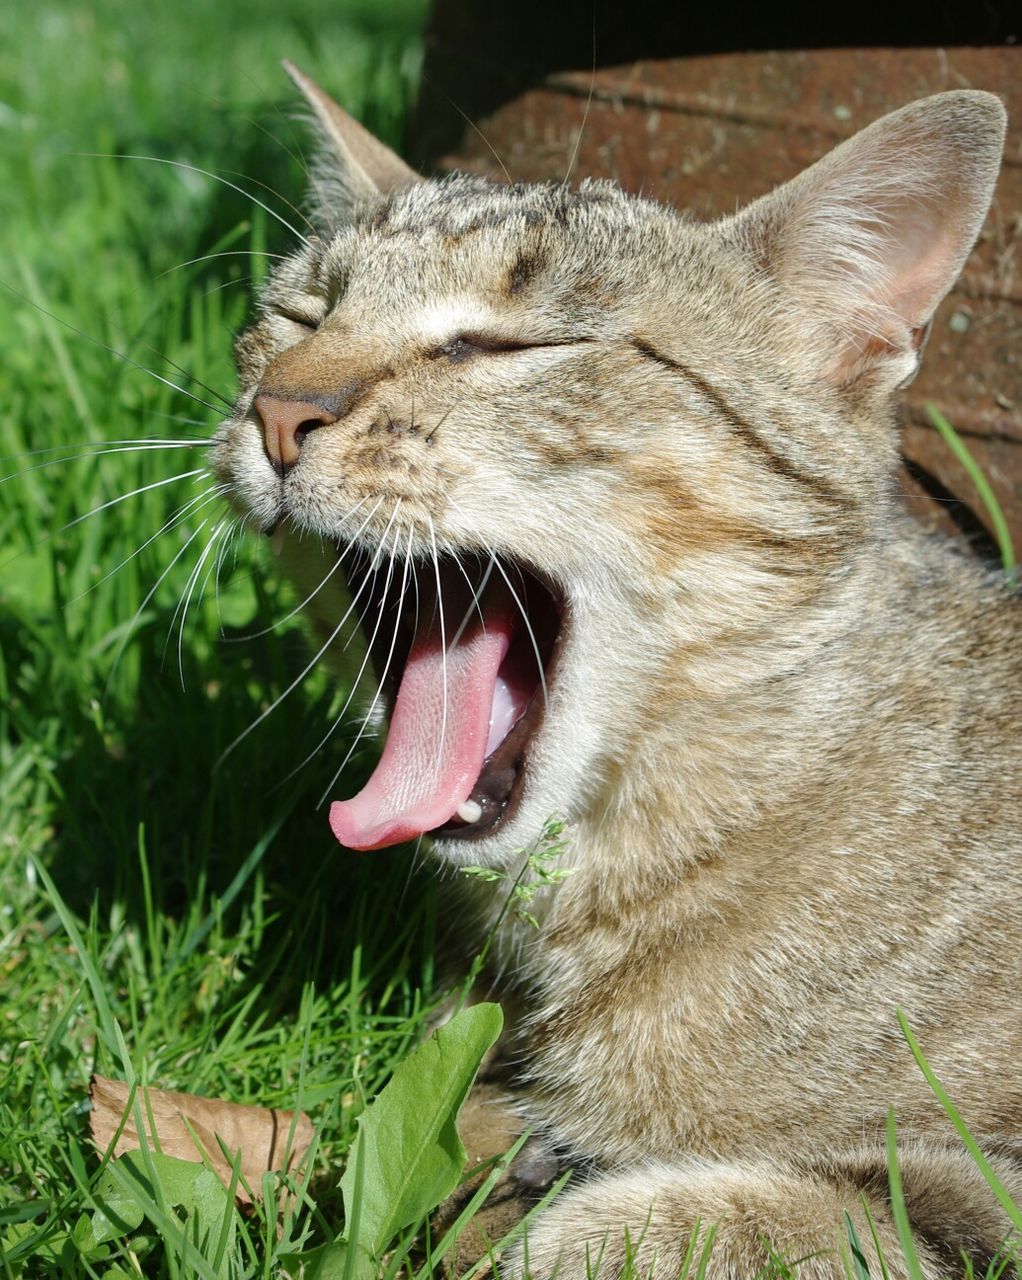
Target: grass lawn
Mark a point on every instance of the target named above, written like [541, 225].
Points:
[228, 946]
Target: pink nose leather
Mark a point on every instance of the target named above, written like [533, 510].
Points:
[286, 423]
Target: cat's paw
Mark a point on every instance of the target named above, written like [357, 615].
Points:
[656, 1222]
[489, 1123]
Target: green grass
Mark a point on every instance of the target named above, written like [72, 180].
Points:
[983, 487]
[223, 944]
[162, 920]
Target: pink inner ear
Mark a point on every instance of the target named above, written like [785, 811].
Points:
[871, 238]
[917, 251]
[922, 256]
[925, 263]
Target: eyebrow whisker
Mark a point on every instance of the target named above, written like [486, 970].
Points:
[207, 173]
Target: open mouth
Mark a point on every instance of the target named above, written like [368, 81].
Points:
[466, 649]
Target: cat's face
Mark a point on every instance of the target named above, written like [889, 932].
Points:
[487, 356]
[568, 443]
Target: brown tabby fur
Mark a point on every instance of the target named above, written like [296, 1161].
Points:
[785, 726]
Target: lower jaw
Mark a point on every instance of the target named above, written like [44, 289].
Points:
[499, 787]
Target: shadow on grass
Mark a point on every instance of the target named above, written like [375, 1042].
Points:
[146, 772]
[148, 756]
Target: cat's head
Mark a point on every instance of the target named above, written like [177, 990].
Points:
[576, 449]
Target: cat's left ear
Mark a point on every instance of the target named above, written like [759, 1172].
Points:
[354, 168]
[870, 238]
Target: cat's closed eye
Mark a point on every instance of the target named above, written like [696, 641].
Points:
[466, 345]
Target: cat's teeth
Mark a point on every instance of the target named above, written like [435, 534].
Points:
[469, 811]
[277, 539]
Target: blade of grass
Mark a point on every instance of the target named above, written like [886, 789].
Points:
[857, 1265]
[951, 1111]
[899, 1212]
[479, 1197]
[983, 487]
[876, 1239]
[107, 1023]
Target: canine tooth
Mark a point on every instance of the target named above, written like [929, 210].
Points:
[470, 811]
[277, 539]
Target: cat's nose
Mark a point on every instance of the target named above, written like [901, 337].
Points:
[286, 423]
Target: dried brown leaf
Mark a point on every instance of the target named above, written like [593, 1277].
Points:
[187, 1126]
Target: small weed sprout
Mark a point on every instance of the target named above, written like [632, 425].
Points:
[538, 869]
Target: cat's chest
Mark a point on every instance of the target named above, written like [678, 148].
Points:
[715, 1015]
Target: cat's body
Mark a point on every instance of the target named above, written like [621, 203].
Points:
[782, 724]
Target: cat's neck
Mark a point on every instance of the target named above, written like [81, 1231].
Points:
[754, 744]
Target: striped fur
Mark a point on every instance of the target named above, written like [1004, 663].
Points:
[785, 727]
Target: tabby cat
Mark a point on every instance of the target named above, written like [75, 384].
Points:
[613, 493]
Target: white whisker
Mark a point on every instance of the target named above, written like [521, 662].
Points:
[309, 666]
[312, 594]
[225, 547]
[182, 605]
[86, 449]
[228, 253]
[227, 284]
[365, 661]
[183, 513]
[297, 156]
[178, 417]
[145, 488]
[103, 346]
[472, 125]
[98, 452]
[223, 533]
[48, 537]
[206, 173]
[273, 192]
[476, 594]
[219, 395]
[585, 114]
[149, 595]
[443, 640]
[372, 573]
[528, 627]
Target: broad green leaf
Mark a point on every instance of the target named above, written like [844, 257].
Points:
[327, 1262]
[140, 1185]
[24, 1244]
[118, 1209]
[407, 1155]
[407, 1140]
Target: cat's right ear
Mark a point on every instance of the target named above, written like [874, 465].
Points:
[353, 168]
[870, 238]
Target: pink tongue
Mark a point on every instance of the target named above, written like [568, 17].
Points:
[430, 762]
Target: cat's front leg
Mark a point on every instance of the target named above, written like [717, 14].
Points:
[489, 1123]
[642, 1222]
